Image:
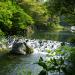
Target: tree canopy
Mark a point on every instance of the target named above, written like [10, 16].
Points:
[17, 15]
[13, 17]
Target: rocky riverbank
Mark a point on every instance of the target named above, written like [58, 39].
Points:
[23, 46]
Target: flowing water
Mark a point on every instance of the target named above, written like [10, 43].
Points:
[26, 64]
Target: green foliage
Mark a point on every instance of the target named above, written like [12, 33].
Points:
[53, 64]
[71, 40]
[43, 72]
[21, 19]
[72, 55]
[13, 18]
[6, 10]
[60, 60]
[42, 63]
[1, 33]
[70, 19]
[64, 7]
[36, 10]
[17, 15]
[60, 7]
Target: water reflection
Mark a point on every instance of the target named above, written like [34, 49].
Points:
[63, 36]
[19, 65]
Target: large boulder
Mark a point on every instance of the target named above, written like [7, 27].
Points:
[21, 48]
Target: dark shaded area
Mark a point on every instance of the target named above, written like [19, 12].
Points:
[4, 28]
[12, 31]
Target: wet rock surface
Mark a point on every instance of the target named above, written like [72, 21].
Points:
[20, 47]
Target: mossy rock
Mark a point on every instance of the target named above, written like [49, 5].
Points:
[21, 48]
[29, 50]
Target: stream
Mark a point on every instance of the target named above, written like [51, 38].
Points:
[40, 42]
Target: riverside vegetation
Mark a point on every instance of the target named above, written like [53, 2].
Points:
[26, 17]
[17, 17]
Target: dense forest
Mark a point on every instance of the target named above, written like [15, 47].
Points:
[21, 16]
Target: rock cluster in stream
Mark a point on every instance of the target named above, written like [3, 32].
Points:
[22, 45]
[43, 45]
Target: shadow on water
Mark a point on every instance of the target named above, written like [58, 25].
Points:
[8, 63]
[19, 65]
